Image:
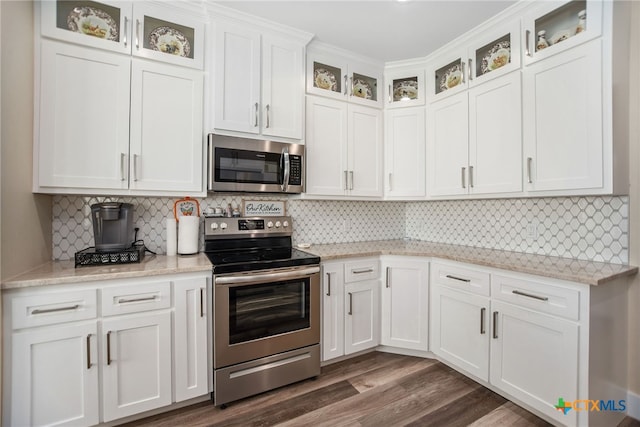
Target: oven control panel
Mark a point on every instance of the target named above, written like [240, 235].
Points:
[215, 227]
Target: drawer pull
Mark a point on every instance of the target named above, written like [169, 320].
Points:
[482, 328]
[495, 325]
[127, 301]
[368, 270]
[109, 348]
[88, 351]
[55, 310]
[524, 294]
[328, 284]
[448, 276]
[350, 303]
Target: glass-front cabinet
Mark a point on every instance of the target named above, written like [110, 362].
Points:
[141, 29]
[447, 74]
[556, 26]
[336, 77]
[405, 88]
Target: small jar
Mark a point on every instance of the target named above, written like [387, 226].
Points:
[542, 40]
[582, 21]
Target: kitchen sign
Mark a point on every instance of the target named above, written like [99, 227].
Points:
[263, 208]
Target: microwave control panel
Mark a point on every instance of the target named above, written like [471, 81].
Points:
[295, 172]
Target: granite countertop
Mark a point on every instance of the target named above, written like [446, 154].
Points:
[587, 272]
[64, 272]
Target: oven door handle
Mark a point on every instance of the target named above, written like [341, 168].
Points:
[249, 279]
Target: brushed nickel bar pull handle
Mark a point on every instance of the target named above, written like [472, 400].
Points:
[463, 176]
[88, 351]
[495, 325]
[126, 301]
[367, 270]
[350, 304]
[351, 180]
[346, 180]
[345, 84]
[201, 302]
[138, 34]
[267, 107]
[351, 86]
[126, 24]
[529, 161]
[122, 166]
[527, 36]
[448, 276]
[109, 348]
[390, 182]
[463, 65]
[482, 313]
[388, 277]
[328, 284]
[470, 176]
[135, 167]
[389, 94]
[255, 124]
[55, 310]
[470, 69]
[524, 294]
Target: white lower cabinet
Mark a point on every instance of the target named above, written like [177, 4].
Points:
[405, 303]
[83, 354]
[350, 307]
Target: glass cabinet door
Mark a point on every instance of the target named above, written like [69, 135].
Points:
[447, 74]
[327, 76]
[161, 34]
[495, 54]
[103, 24]
[557, 26]
[365, 84]
[405, 88]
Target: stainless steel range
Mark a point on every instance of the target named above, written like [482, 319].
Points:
[266, 300]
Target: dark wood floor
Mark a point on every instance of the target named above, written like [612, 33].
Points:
[375, 389]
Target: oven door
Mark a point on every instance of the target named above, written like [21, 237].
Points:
[261, 313]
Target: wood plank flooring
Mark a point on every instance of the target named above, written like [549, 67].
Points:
[375, 389]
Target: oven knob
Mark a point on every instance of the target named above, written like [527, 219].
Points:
[223, 226]
[214, 225]
[285, 224]
[277, 224]
[269, 224]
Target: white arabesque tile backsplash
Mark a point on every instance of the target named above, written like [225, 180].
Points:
[590, 228]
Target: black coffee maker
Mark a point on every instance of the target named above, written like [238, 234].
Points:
[112, 226]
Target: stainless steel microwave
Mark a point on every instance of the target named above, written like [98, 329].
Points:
[251, 165]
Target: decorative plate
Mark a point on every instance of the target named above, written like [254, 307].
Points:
[405, 89]
[92, 22]
[452, 78]
[560, 36]
[325, 79]
[361, 89]
[169, 40]
[498, 56]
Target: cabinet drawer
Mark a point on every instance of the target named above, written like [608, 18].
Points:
[136, 298]
[537, 295]
[51, 308]
[464, 279]
[359, 270]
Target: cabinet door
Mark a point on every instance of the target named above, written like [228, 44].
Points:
[362, 328]
[447, 146]
[495, 53]
[282, 87]
[405, 88]
[237, 78]
[168, 35]
[327, 76]
[136, 364]
[166, 127]
[447, 74]
[104, 24]
[459, 328]
[332, 311]
[405, 156]
[83, 138]
[365, 85]
[326, 147]
[190, 361]
[365, 151]
[563, 119]
[495, 136]
[534, 358]
[405, 303]
[54, 376]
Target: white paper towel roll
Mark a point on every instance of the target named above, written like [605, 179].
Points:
[188, 231]
[172, 237]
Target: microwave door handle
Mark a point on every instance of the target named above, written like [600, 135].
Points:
[287, 166]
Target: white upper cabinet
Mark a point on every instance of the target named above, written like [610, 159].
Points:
[447, 74]
[139, 28]
[259, 81]
[335, 75]
[404, 88]
[553, 27]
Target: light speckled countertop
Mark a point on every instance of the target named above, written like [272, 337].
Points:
[587, 272]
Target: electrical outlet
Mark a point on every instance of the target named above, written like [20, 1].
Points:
[532, 231]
